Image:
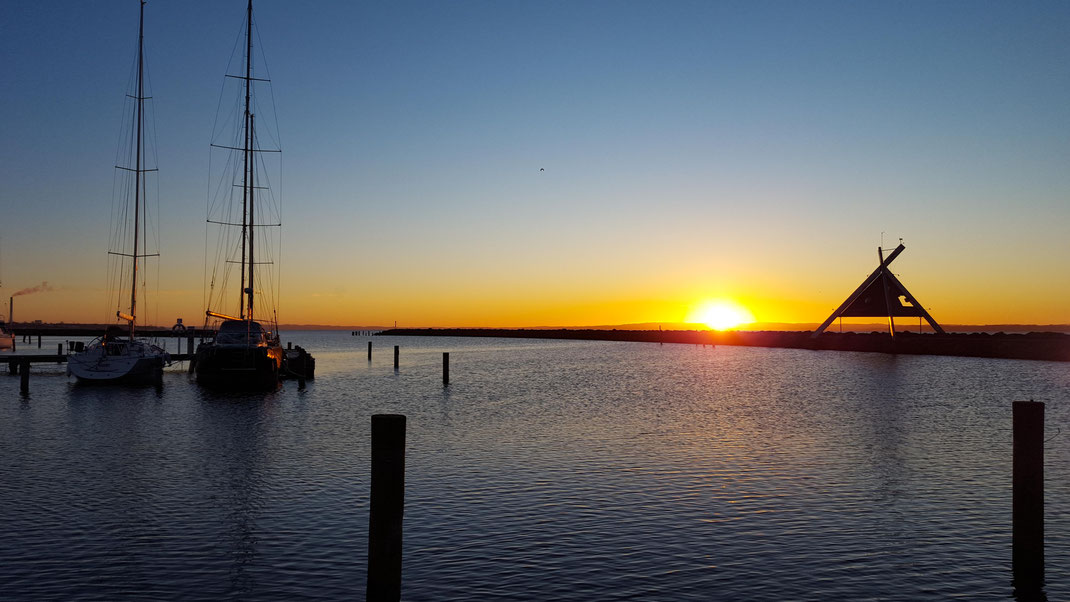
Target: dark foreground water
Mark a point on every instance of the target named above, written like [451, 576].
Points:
[545, 471]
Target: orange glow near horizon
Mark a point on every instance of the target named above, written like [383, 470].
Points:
[720, 314]
[416, 303]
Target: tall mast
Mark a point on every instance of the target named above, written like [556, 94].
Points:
[247, 196]
[139, 116]
[252, 206]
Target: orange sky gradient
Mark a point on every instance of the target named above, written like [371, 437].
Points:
[419, 294]
[521, 165]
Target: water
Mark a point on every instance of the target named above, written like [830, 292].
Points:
[546, 470]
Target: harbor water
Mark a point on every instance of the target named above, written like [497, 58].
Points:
[545, 470]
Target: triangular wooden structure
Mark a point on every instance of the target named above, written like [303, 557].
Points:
[881, 295]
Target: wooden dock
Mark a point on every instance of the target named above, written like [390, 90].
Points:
[14, 361]
[78, 330]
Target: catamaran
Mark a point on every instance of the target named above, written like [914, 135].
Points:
[245, 352]
[119, 356]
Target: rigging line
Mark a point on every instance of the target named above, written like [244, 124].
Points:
[217, 198]
[273, 135]
[208, 204]
[271, 89]
[230, 62]
[1058, 431]
[260, 46]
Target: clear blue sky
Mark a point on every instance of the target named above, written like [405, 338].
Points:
[747, 150]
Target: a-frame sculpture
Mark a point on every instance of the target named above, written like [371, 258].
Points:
[881, 295]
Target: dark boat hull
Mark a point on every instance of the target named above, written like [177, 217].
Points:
[236, 367]
[298, 363]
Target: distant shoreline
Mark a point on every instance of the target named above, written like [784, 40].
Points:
[644, 326]
[1045, 346]
[1038, 344]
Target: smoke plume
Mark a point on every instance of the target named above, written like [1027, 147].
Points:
[41, 288]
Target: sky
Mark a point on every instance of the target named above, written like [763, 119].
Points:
[571, 163]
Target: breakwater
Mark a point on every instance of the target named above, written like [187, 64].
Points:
[1047, 346]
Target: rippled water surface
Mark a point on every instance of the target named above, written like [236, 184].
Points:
[546, 470]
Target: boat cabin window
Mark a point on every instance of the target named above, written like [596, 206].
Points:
[240, 333]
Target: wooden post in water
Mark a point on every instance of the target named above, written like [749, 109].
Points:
[24, 377]
[445, 368]
[59, 353]
[1028, 496]
[397, 354]
[369, 351]
[387, 507]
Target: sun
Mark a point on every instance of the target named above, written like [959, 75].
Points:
[721, 314]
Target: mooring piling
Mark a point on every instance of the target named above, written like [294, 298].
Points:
[59, 353]
[1028, 495]
[369, 351]
[386, 508]
[397, 354]
[445, 368]
[24, 377]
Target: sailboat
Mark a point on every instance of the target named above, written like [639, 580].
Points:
[245, 352]
[119, 356]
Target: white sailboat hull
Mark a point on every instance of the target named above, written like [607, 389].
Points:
[118, 361]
